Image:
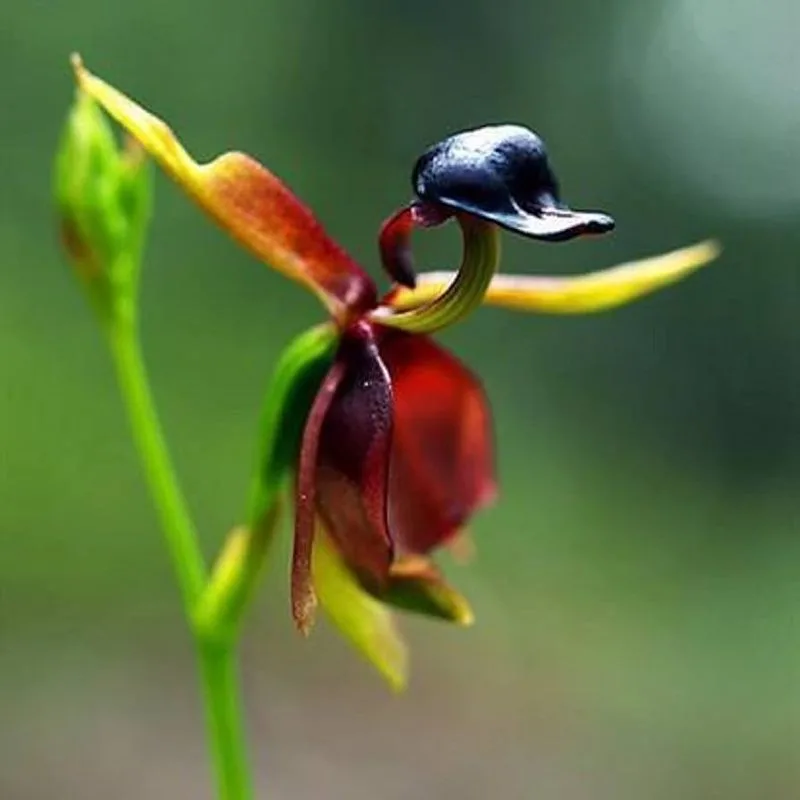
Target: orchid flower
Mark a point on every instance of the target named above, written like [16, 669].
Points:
[394, 452]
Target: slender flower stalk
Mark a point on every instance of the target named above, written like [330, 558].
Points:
[376, 438]
[216, 654]
[103, 194]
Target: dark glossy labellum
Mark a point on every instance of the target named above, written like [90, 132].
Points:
[500, 173]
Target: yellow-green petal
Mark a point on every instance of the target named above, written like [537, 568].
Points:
[365, 622]
[580, 294]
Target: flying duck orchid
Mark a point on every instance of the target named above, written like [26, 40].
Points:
[390, 448]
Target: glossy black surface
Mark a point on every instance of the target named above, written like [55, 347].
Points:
[501, 173]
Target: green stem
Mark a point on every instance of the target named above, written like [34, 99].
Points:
[184, 549]
[217, 658]
[218, 665]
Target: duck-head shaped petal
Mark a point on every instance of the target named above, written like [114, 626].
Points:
[500, 173]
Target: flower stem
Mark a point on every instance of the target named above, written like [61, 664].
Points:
[184, 549]
[218, 666]
[217, 657]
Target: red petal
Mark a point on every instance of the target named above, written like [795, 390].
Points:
[353, 461]
[267, 218]
[304, 600]
[442, 466]
[394, 243]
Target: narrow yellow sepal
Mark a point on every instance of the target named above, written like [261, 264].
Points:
[366, 622]
[581, 294]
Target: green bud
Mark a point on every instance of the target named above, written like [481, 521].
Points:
[103, 193]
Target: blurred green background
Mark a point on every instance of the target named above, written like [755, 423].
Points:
[636, 586]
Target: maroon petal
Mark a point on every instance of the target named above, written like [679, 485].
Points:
[394, 240]
[442, 466]
[304, 600]
[353, 459]
[394, 243]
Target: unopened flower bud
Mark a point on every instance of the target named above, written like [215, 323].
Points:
[103, 194]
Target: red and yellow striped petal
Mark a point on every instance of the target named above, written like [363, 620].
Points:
[580, 294]
[248, 201]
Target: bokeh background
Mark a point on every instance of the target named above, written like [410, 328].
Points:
[637, 585]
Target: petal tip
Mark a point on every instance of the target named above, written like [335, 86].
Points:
[397, 681]
[78, 69]
[467, 618]
[304, 606]
[677, 264]
[461, 613]
[708, 250]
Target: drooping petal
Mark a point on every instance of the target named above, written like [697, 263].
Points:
[365, 621]
[248, 201]
[580, 294]
[353, 459]
[394, 245]
[442, 456]
[304, 600]
[394, 239]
